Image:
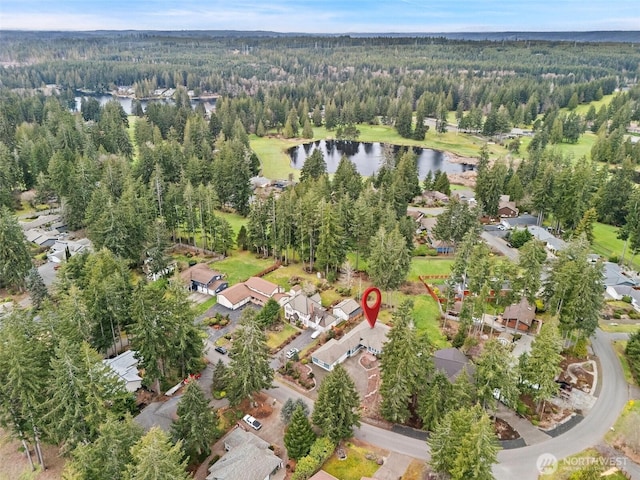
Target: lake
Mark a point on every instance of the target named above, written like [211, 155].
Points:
[368, 156]
[126, 102]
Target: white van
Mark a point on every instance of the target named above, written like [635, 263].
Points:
[316, 334]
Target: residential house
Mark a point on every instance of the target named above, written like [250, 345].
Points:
[519, 221]
[248, 457]
[125, 366]
[256, 290]
[360, 337]
[552, 244]
[201, 278]
[507, 208]
[322, 475]
[615, 277]
[521, 317]
[452, 362]
[347, 309]
[41, 237]
[620, 291]
[308, 311]
[63, 248]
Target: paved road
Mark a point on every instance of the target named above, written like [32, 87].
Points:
[500, 245]
[520, 463]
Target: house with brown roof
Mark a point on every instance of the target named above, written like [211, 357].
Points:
[507, 208]
[521, 317]
[200, 278]
[255, 290]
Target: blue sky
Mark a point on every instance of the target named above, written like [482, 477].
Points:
[322, 16]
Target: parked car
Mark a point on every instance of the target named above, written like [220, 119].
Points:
[316, 334]
[221, 350]
[292, 353]
[252, 422]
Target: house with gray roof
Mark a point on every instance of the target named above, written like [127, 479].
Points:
[248, 457]
[309, 312]
[347, 309]
[360, 337]
[615, 277]
[125, 366]
[620, 291]
[452, 362]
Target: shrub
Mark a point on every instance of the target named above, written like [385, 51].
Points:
[614, 259]
[420, 251]
[626, 298]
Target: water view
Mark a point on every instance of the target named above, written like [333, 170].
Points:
[368, 156]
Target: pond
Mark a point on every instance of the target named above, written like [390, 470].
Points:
[368, 156]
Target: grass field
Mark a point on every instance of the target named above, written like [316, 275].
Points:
[429, 266]
[200, 308]
[619, 347]
[275, 339]
[606, 243]
[241, 266]
[354, 467]
[236, 221]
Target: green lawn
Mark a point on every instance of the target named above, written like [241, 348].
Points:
[631, 410]
[429, 266]
[576, 150]
[619, 328]
[283, 275]
[273, 158]
[275, 339]
[200, 308]
[606, 243]
[583, 108]
[240, 266]
[236, 221]
[354, 467]
[619, 347]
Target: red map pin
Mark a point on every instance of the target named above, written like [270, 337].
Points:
[371, 312]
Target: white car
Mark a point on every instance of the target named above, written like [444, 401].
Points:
[292, 353]
[252, 422]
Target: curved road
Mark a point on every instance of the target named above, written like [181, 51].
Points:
[520, 463]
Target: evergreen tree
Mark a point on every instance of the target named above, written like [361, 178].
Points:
[403, 120]
[434, 403]
[36, 288]
[441, 183]
[299, 435]
[156, 458]
[532, 257]
[494, 374]
[307, 131]
[585, 227]
[404, 364]
[290, 406]
[429, 180]
[249, 369]
[389, 260]
[632, 352]
[347, 180]
[542, 365]
[573, 290]
[197, 425]
[15, 260]
[314, 166]
[108, 456]
[241, 239]
[80, 391]
[220, 375]
[455, 222]
[464, 445]
[331, 251]
[335, 409]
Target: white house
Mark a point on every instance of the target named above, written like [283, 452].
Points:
[362, 336]
[347, 309]
[309, 312]
[256, 290]
[620, 291]
[125, 366]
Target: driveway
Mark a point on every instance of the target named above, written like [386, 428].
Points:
[499, 245]
[301, 342]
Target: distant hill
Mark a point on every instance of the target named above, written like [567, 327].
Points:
[595, 36]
